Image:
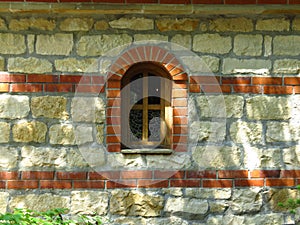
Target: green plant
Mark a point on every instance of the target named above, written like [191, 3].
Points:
[291, 204]
[50, 217]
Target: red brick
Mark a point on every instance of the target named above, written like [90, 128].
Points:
[6, 175]
[75, 79]
[180, 84]
[249, 182]
[71, 175]
[236, 80]
[2, 184]
[179, 93]
[11, 78]
[217, 183]
[247, 89]
[267, 80]
[233, 174]
[296, 89]
[179, 120]
[271, 1]
[205, 80]
[180, 147]
[180, 129]
[38, 78]
[136, 174]
[113, 130]
[180, 139]
[22, 184]
[280, 182]
[89, 184]
[169, 174]
[194, 88]
[113, 139]
[290, 173]
[179, 102]
[59, 88]
[113, 102]
[207, 1]
[216, 88]
[55, 184]
[178, 77]
[113, 93]
[76, 0]
[37, 175]
[113, 76]
[114, 147]
[279, 90]
[26, 87]
[114, 84]
[113, 111]
[240, 1]
[202, 174]
[89, 88]
[48, 1]
[4, 87]
[180, 111]
[109, 1]
[175, 2]
[104, 175]
[292, 80]
[96, 80]
[294, 2]
[264, 173]
[121, 184]
[152, 183]
[185, 183]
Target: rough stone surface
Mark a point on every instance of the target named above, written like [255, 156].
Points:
[280, 195]
[268, 45]
[75, 65]
[150, 38]
[101, 25]
[267, 219]
[13, 106]
[76, 24]
[181, 41]
[268, 107]
[262, 158]
[29, 65]
[296, 24]
[2, 24]
[177, 25]
[5, 132]
[216, 157]
[246, 200]
[203, 64]
[2, 63]
[132, 23]
[231, 25]
[248, 45]
[33, 131]
[131, 161]
[173, 161]
[282, 24]
[62, 134]
[84, 109]
[286, 45]
[83, 134]
[252, 66]
[100, 134]
[218, 206]
[30, 43]
[282, 131]
[9, 157]
[135, 203]
[287, 66]
[212, 43]
[50, 107]
[32, 23]
[207, 131]
[291, 157]
[98, 45]
[57, 44]
[89, 202]
[39, 202]
[12, 43]
[226, 219]
[243, 132]
[210, 193]
[3, 202]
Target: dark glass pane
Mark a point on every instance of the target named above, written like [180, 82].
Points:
[136, 89]
[136, 125]
[154, 125]
[154, 89]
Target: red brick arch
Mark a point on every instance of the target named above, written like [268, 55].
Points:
[151, 54]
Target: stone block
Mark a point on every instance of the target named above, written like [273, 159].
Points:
[32, 23]
[248, 45]
[39, 202]
[286, 66]
[282, 132]
[4, 197]
[73, 65]
[226, 219]
[5, 132]
[177, 25]
[296, 24]
[265, 219]
[181, 41]
[133, 23]
[2, 24]
[268, 108]
[130, 161]
[150, 38]
[212, 43]
[9, 158]
[85, 109]
[2, 63]
[291, 157]
[209, 193]
[262, 158]
[12, 44]
[274, 196]
[89, 202]
[98, 45]
[49, 107]
[268, 45]
[286, 45]
[239, 24]
[33, 131]
[207, 131]
[174, 161]
[135, 203]
[30, 43]
[217, 157]
[246, 66]
[246, 132]
[76, 24]
[100, 134]
[246, 200]
[203, 64]
[101, 25]
[14, 106]
[62, 134]
[29, 65]
[173, 191]
[276, 24]
[218, 206]
[57, 44]
[83, 134]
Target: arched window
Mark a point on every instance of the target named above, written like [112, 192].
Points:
[146, 112]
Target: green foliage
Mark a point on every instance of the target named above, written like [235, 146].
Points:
[50, 217]
[291, 204]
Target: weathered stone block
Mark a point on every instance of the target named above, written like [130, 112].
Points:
[39, 202]
[12, 43]
[218, 206]
[84, 109]
[32, 23]
[3, 202]
[101, 25]
[268, 108]
[62, 134]
[210, 193]
[287, 66]
[296, 24]
[276, 24]
[250, 45]
[286, 45]
[252, 66]
[173, 191]
[98, 45]
[100, 134]
[2, 24]
[265, 219]
[29, 65]
[83, 134]
[89, 202]
[14, 106]
[76, 24]
[212, 43]
[240, 24]
[268, 45]
[291, 157]
[244, 132]
[226, 219]
[57, 44]
[282, 131]
[26, 131]
[30, 43]
[178, 24]
[50, 107]
[75, 65]
[133, 23]
[173, 162]
[217, 157]
[262, 158]
[135, 203]
[203, 64]
[246, 200]
[9, 157]
[150, 38]
[131, 161]
[181, 41]
[5, 132]
[2, 63]
[207, 131]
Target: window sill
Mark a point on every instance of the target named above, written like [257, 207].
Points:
[147, 151]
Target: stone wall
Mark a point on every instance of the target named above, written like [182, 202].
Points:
[235, 95]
